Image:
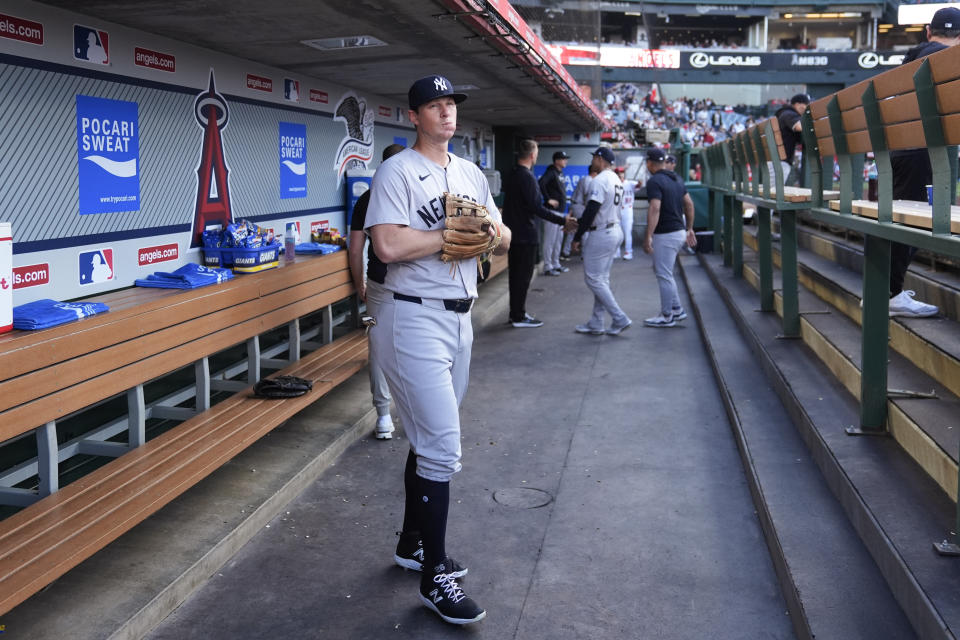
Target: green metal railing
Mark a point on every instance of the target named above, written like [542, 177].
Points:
[728, 163]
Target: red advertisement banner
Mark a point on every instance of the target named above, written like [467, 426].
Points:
[154, 60]
[20, 29]
[31, 275]
[259, 83]
[160, 253]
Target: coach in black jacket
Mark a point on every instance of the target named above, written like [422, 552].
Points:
[522, 203]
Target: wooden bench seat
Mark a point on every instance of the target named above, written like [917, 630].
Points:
[908, 212]
[148, 334]
[45, 376]
[801, 194]
[42, 542]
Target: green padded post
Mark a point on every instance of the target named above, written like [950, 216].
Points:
[752, 161]
[716, 214]
[878, 140]
[777, 179]
[736, 243]
[844, 157]
[943, 173]
[788, 274]
[811, 151]
[765, 257]
[727, 230]
[763, 177]
[876, 320]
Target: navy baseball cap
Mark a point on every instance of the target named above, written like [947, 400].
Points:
[430, 88]
[670, 158]
[606, 153]
[946, 18]
[800, 98]
[560, 155]
[656, 155]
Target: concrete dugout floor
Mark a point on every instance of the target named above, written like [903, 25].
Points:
[648, 532]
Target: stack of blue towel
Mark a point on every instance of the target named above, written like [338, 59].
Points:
[42, 314]
[189, 276]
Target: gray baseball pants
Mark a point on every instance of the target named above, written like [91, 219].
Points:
[666, 246]
[424, 351]
[599, 248]
[378, 382]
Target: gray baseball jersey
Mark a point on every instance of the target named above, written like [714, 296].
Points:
[607, 189]
[579, 199]
[407, 190]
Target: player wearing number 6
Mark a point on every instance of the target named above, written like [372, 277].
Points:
[601, 218]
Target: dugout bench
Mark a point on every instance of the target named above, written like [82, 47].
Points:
[45, 376]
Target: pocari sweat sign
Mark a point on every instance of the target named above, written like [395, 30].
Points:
[108, 155]
[293, 160]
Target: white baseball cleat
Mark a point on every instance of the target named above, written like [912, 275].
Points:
[384, 429]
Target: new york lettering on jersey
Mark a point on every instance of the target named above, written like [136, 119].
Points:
[408, 190]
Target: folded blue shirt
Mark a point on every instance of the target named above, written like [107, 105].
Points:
[42, 314]
[189, 276]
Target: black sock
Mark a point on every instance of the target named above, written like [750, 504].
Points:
[411, 516]
[434, 502]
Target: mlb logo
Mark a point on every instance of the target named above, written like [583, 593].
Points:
[91, 45]
[291, 90]
[96, 266]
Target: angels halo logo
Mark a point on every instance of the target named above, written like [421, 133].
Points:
[213, 193]
[356, 148]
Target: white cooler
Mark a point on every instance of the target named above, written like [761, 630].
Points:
[6, 277]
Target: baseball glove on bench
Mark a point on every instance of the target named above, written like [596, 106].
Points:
[282, 387]
[467, 229]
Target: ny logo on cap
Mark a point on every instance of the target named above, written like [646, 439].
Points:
[440, 84]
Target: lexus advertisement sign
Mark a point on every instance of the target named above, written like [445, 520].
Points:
[845, 61]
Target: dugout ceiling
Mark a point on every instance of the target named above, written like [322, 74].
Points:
[511, 90]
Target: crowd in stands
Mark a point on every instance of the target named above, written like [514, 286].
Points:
[633, 108]
[695, 42]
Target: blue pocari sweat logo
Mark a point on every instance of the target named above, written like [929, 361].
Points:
[293, 160]
[108, 155]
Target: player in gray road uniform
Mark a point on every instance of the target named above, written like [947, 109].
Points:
[423, 335]
[602, 219]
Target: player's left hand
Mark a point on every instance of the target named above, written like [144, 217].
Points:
[571, 224]
[691, 239]
[647, 245]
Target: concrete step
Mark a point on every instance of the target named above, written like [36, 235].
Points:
[934, 281]
[924, 357]
[819, 560]
[891, 501]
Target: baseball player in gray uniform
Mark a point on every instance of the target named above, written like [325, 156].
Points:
[601, 218]
[423, 335]
[578, 202]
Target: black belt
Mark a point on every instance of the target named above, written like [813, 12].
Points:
[608, 226]
[460, 306]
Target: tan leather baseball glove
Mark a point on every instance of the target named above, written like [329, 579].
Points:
[467, 229]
